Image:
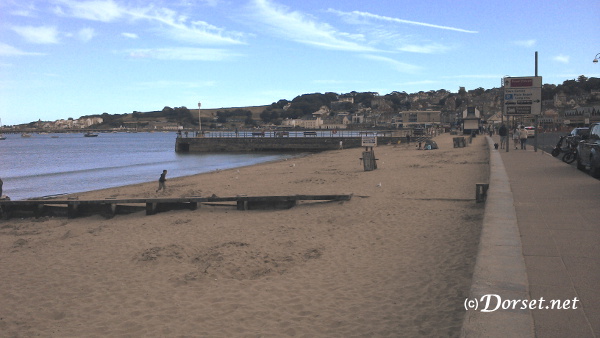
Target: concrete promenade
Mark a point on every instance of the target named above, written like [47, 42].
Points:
[557, 209]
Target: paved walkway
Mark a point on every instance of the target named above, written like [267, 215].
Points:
[558, 214]
[557, 209]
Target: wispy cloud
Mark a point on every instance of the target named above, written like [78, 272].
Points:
[130, 35]
[354, 15]
[95, 10]
[166, 21]
[38, 35]
[561, 58]
[433, 48]
[7, 50]
[183, 54]
[525, 43]
[395, 64]
[24, 10]
[302, 28]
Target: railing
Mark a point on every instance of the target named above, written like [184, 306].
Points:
[303, 133]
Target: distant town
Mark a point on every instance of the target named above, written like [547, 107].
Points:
[573, 103]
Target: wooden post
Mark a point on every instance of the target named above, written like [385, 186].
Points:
[481, 192]
[242, 205]
[151, 208]
[369, 160]
[72, 209]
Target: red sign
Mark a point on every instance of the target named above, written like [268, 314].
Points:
[521, 82]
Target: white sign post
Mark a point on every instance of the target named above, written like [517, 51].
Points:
[369, 141]
[522, 96]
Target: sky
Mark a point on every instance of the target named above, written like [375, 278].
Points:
[67, 58]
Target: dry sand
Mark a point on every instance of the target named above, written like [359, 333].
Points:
[394, 261]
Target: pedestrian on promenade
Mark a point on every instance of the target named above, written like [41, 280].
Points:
[161, 181]
[503, 132]
[523, 137]
[1, 183]
[408, 138]
[515, 138]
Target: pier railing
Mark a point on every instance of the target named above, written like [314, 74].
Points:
[296, 133]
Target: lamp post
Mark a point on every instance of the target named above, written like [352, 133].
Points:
[596, 58]
[199, 120]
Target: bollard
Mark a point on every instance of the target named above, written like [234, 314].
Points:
[481, 192]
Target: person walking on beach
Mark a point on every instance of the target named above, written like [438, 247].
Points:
[161, 181]
[503, 132]
[523, 137]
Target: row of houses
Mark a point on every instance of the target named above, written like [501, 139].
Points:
[321, 120]
[80, 123]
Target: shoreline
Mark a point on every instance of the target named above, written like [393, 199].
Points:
[145, 185]
[397, 259]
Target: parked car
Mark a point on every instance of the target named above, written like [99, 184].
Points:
[530, 131]
[580, 132]
[588, 151]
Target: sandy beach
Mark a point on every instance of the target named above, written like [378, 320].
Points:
[395, 260]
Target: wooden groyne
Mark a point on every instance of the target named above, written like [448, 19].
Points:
[110, 207]
[306, 141]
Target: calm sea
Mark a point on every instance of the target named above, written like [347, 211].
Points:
[54, 164]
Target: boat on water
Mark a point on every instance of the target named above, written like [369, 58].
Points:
[90, 134]
[25, 135]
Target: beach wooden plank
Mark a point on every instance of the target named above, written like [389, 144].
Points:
[111, 207]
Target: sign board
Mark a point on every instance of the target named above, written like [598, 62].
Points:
[522, 96]
[369, 141]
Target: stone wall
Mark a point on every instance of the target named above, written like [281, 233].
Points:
[280, 144]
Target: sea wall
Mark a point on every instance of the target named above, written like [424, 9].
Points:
[281, 144]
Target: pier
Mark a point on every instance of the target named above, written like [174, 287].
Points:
[281, 141]
[72, 208]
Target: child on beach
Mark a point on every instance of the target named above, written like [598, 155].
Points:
[161, 181]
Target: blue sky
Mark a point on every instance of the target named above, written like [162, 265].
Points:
[67, 58]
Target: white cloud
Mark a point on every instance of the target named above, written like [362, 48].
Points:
[183, 54]
[303, 29]
[39, 35]
[86, 34]
[96, 10]
[130, 35]
[355, 15]
[7, 50]
[396, 65]
[525, 43]
[561, 58]
[24, 10]
[164, 20]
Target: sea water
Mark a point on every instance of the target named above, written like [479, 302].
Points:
[53, 164]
